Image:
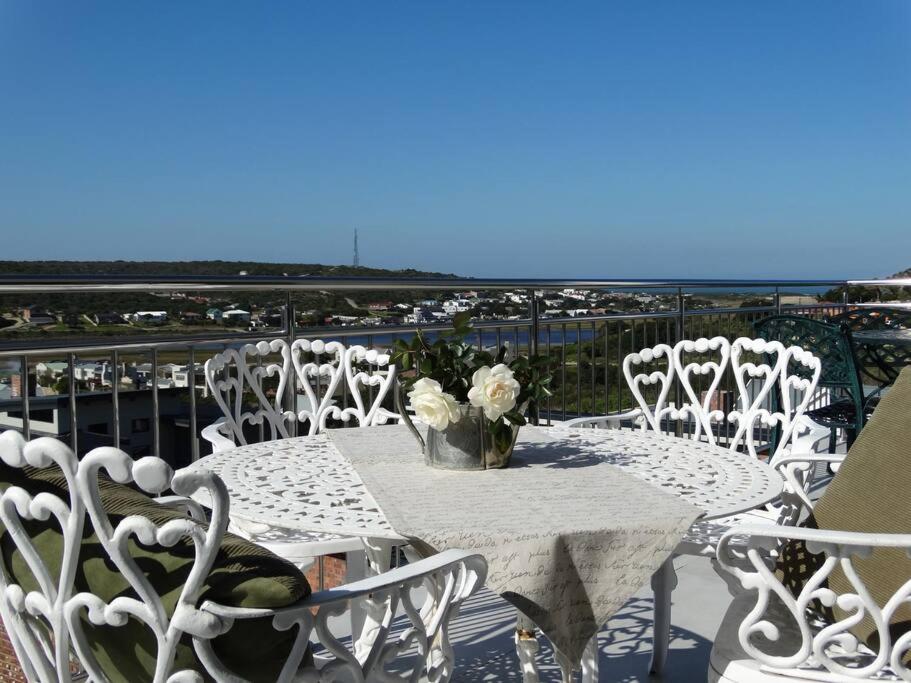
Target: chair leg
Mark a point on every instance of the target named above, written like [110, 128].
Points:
[590, 661]
[663, 583]
[851, 436]
[378, 555]
[527, 648]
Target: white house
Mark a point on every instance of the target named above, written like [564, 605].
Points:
[454, 306]
[52, 368]
[236, 315]
[94, 372]
[156, 317]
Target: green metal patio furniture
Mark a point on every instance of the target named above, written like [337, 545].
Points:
[848, 408]
[879, 359]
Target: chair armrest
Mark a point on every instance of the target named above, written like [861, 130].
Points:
[186, 505]
[610, 421]
[215, 436]
[474, 564]
[807, 435]
[818, 643]
[797, 470]
[449, 577]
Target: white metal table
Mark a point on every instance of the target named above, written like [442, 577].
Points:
[891, 336]
[306, 484]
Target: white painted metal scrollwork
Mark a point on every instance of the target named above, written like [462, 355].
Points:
[796, 642]
[792, 377]
[328, 376]
[446, 580]
[702, 413]
[236, 373]
[322, 368]
[653, 413]
[46, 625]
[307, 484]
[35, 621]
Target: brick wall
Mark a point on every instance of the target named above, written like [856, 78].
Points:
[333, 572]
[9, 665]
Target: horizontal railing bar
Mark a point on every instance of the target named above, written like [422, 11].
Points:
[894, 282]
[159, 342]
[12, 284]
[93, 344]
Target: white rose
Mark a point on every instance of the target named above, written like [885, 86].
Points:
[432, 405]
[495, 390]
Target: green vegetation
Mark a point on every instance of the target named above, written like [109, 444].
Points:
[75, 310]
[858, 294]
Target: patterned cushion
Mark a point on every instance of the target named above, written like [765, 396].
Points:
[868, 495]
[244, 575]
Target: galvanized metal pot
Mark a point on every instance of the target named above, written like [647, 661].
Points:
[463, 445]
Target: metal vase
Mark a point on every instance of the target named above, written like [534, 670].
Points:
[463, 445]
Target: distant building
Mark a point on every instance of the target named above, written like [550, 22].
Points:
[150, 317]
[50, 416]
[191, 318]
[379, 306]
[108, 318]
[37, 316]
[235, 316]
[214, 314]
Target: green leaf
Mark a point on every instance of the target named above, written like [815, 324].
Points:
[515, 418]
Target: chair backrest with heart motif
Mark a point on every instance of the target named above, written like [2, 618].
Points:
[651, 384]
[773, 393]
[329, 374]
[249, 386]
[45, 563]
[726, 393]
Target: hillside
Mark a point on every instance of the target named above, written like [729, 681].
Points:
[201, 268]
[74, 308]
[864, 294]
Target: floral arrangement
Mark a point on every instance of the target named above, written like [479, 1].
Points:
[454, 373]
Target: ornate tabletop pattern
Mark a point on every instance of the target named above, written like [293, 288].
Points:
[304, 483]
[713, 478]
[883, 336]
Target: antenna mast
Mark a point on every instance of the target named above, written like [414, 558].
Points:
[357, 258]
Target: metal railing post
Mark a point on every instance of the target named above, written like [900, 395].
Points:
[291, 328]
[681, 330]
[24, 400]
[191, 374]
[156, 409]
[74, 439]
[533, 331]
[115, 395]
[777, 301]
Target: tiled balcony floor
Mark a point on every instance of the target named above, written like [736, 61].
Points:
[485, 652]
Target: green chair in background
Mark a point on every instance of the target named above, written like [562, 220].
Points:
[880, 362]
[848, 408]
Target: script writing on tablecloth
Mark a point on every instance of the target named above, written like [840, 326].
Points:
[568, 537]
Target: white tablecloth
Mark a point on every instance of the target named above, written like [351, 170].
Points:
[568, 537]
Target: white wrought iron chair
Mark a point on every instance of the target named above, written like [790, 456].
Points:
[53, 625]
[795, 644]
[665, 370]
[326, 373]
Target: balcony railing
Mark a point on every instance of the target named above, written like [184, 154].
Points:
[587, 352]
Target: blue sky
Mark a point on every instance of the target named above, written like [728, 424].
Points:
[616, 139]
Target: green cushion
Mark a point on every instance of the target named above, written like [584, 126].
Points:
[244, 575]
[868, 495]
